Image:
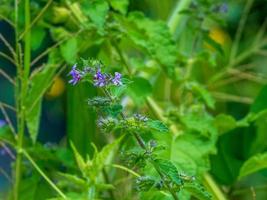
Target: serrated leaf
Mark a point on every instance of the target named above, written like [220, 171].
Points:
[97, 10]
[145, 183]
[191, 152]
[157, 125]
[168, 169]
[40, 82]
[197, 191]
[253, 164]
[113, 110]
[33, 120]
[155, 38]
[200, 122]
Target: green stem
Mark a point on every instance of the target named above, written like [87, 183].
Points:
[43, 174]
[22, 91]
[106, 177]
[176, 17]
[213, 187]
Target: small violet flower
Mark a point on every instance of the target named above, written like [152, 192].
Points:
[100, 79]
[117, 79]
[76, 75]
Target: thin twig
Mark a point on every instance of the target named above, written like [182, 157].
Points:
[7, 77]
[34, 164]
[5, 174]
[8, 45]
[240, 29]
[36, 19]
[7, 20]
[8, 120]
[8, 151]
[248, 76]
[7, 58]
[8, 106]
[231, 97]
[53, 47]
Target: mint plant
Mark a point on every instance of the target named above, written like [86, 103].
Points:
[115, 120]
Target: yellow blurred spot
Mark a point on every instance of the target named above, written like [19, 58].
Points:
[219, 36]
[56, 89]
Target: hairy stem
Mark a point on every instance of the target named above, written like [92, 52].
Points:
[22, 91]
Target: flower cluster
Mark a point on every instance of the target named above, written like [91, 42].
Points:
[100, 79]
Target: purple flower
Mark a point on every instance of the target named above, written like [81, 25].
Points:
[2, 123]
[100, 79]
[117, 79]
[76, 75]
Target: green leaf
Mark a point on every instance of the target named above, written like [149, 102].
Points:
[140, 88]
[40, 82]
[168, 169]
[104, 186]
[226, 163]
[70, 179]
[260, 102]
[69, 50]
[38, 35]
[97, 10]
[155, 38]
[6, 135]
[191, 154]
[33, 120]
[205, 95]
[224, 123]
[120, 5]
[113, 110]
[81, 119]
[200, 122]
[33, 188]
[157, 125]
[197, 191]
[104, 157]
[253, 164]
[145, 183]
[79, 159]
